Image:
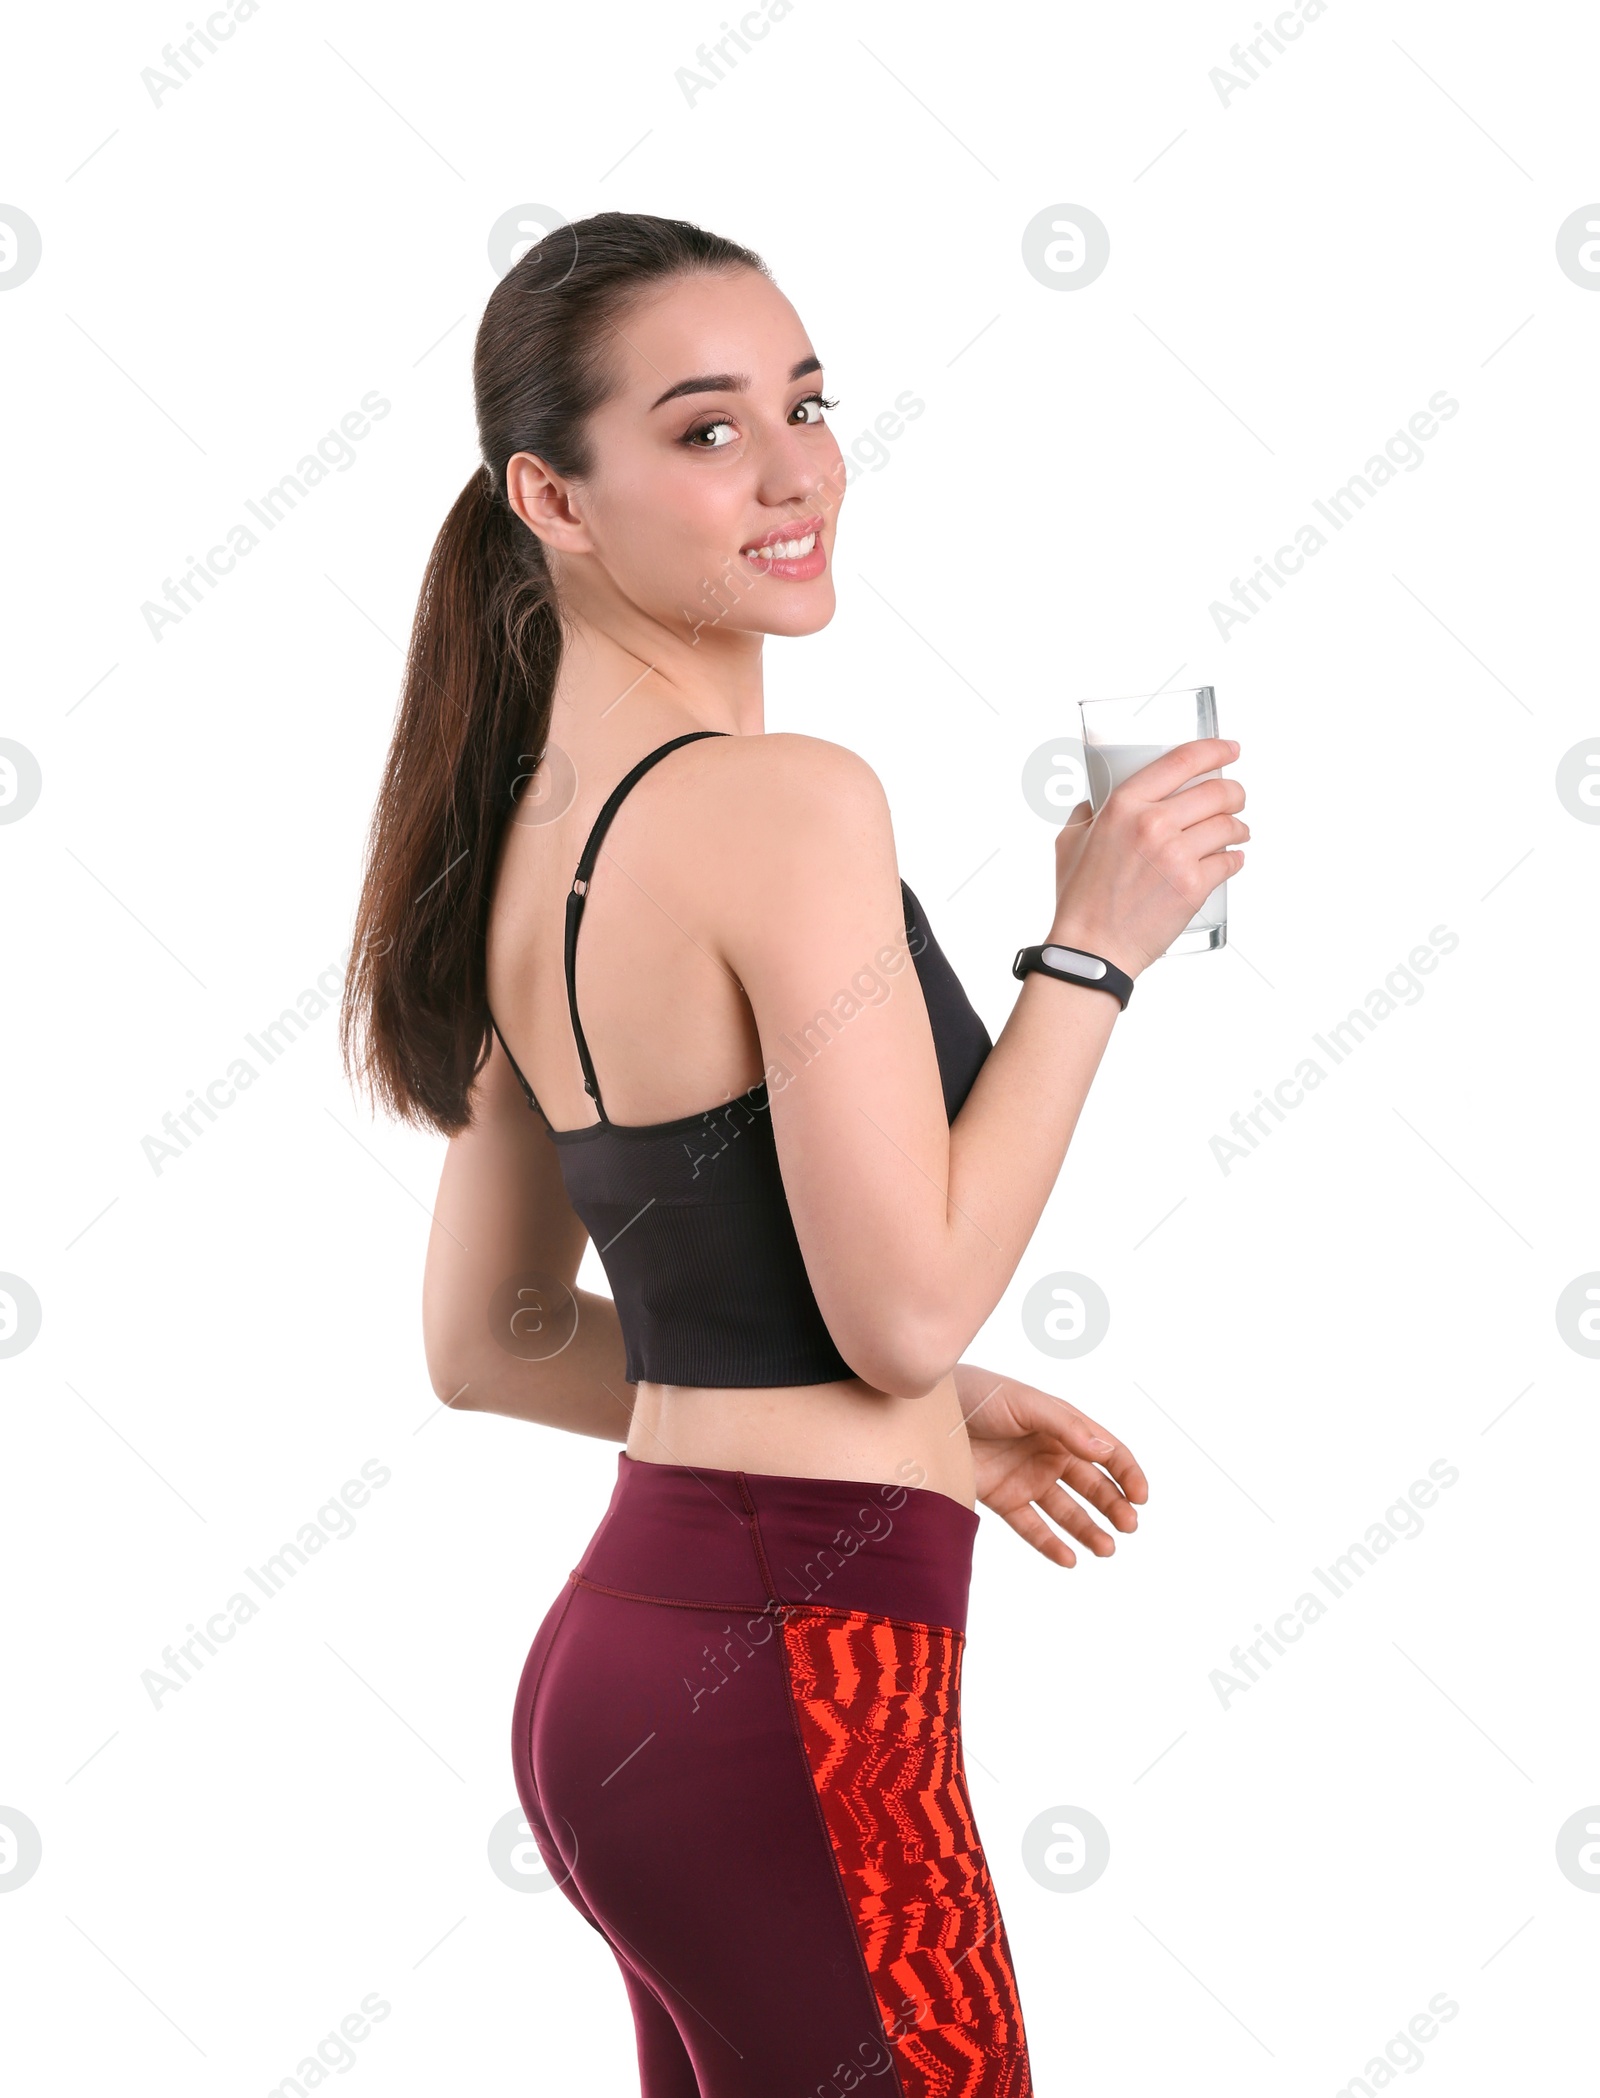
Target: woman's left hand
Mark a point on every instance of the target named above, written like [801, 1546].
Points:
[1028, 1446]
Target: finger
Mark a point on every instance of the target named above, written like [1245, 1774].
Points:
[1033, 1529]
[1092, 1485]
[1207, 797]
[1218, 867]
[1072, 1517]
[1126, 1469]
[1216, 834]
[1078, 1429]
[1081, 815]
[1185, 761]
[1103, 1449]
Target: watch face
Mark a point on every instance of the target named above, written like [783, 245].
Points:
[1074, 963]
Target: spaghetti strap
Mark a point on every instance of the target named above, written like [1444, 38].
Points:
[577, 895]
[516, 1067]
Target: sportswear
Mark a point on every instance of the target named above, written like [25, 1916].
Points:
[737, 1742]
[689, 1217]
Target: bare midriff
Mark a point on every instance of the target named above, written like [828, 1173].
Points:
[844, 1430]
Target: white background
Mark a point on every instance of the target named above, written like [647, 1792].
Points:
[1292, 275]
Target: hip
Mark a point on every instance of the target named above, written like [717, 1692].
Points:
[737, 1741]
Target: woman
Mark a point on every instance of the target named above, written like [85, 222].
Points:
[737, 1735]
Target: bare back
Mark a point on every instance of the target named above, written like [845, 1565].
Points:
[685, 876]
[668, 1026]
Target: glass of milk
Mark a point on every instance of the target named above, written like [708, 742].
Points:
[1121, 737]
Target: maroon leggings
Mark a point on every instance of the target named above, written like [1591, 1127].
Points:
[737, 1741]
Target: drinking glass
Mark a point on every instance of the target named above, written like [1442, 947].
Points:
[1121, 737]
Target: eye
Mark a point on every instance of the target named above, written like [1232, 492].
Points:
[692, 437]
[704, 438]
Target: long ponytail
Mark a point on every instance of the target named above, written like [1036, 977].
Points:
[480, 672]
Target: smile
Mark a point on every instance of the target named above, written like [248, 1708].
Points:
[782, 549]
[797, 555]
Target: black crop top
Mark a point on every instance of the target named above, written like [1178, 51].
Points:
[690, 1218]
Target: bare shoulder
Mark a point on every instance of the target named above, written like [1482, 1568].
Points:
[789, 844]
[770, 799]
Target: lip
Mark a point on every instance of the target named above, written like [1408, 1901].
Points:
[797, 530]
[767, 568]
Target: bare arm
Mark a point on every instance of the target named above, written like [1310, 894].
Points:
[912, 1226]
[499, 1294]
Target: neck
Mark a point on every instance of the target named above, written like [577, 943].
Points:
[628, 676]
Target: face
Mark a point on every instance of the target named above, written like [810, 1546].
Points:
[710, 461]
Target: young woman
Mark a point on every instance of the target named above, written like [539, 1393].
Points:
[654, 972]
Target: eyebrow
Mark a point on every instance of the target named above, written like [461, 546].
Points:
[729, 382]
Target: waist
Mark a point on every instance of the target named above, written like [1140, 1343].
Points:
[840, 1429]
[711, 1537]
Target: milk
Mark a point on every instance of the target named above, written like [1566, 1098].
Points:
[1108, 765]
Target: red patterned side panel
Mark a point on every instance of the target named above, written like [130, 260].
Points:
[879, 1708]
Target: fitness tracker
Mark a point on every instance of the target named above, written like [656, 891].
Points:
[1072, 965]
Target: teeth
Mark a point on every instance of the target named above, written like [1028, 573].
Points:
[783, 549]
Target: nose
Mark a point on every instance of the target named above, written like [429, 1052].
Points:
[792, 476]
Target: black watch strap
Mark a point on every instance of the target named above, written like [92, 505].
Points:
[1072, 965]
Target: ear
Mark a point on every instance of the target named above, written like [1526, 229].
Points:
[545, 504]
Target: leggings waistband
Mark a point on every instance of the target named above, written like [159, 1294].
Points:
[696, 1537]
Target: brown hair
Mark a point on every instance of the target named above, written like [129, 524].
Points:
[475, 701]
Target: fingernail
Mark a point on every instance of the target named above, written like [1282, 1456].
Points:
[1098, 1442]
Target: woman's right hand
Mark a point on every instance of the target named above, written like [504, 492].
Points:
[1129, 880]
